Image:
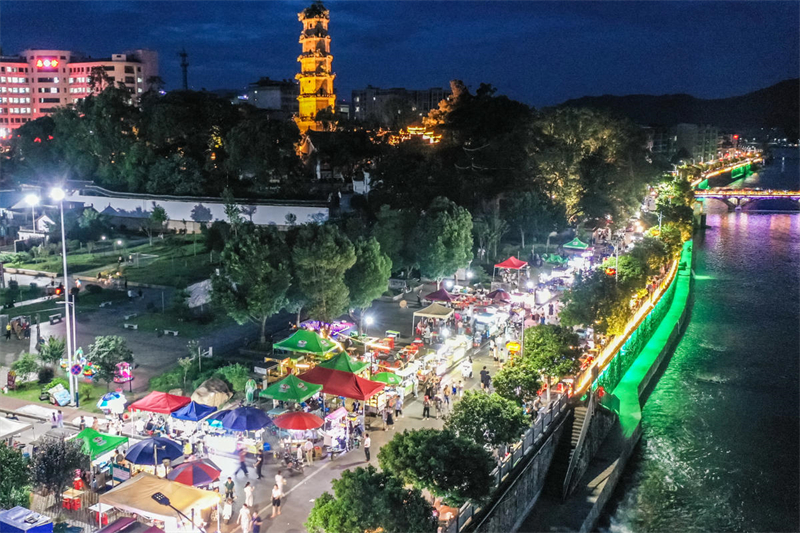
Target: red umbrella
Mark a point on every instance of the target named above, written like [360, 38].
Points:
[298, 420]
[499, 295]
[194, 473]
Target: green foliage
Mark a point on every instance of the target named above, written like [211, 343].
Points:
[443, 238]
[533, 213]
[487, 418]
[85, 391]
[155, 222]
[368, 500]
[25, 365]
[517, 381]
[53, 466]
[45, 374]
[489, 229]
[369, 276]
[434, 460]
[631, 270]
[394, 231]
[15, 484]
[105, 353]
[552, 350]
[254, 279]
[94, 289]
[236, 375]
[321, 255]
[56, 382]
[52, 351]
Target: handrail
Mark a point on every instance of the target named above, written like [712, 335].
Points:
[573, 462]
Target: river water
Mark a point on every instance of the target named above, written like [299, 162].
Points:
[720, 443]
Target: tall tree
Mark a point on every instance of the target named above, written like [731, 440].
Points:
[154, 223]
[321, 255]
[394, 230]
[254, 278]
[553, 351]
[443, 239]
[54, 465]
[368, 500]
[368, 278]
[434, 460]
[517, 381]
[533, 214]
[15, 483]
[487, 418]
[52, 351]
[106, 353]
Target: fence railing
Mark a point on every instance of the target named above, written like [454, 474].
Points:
[531, 440]
[590, 408]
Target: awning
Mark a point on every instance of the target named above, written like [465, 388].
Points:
[193, 411]
[96, 444]
[160, 402]
[291, 389]
[9, 428]
[439, 296]
[434, 311]
[128, 525]
[512, 263]
[341, 383]
[575, 244]
[21, 520]
[135, 496]
[305, 341]
[343, 362]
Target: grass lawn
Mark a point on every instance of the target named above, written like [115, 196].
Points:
[30, 390]
[151, 322]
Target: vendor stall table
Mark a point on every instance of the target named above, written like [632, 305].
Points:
[100, 513]
[71, 499]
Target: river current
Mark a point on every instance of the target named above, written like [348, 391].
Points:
[720, 443]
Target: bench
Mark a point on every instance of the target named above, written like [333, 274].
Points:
[130, 326]
[172, 332]
[132, 315]
[55, 319]
[105, 304]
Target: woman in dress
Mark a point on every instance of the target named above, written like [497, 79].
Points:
[277, 493]
[248, 494]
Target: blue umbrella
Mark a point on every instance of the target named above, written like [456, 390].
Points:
[153, 451]
[244, 419]
[111, 398]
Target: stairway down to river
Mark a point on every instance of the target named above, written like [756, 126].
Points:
[554, 484]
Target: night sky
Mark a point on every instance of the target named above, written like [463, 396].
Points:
[539, 52]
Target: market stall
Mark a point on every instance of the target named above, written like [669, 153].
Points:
[160, 402]
[247, 423]
[435, 311]
[100, 448]
[136, 496]
[343, 362]
[188, 416]
[10, 428]
[149, 454]
[340, 383]
[128, 525]
[291, 389]
[21, 520]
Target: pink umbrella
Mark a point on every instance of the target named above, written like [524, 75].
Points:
[297, 420]
[499, 295]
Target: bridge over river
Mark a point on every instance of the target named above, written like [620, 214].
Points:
[736, 198]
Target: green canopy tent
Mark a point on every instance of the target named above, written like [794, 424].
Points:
[304, 341]
[342, 361]
[96, 444]
[575, 244]
[291, 389]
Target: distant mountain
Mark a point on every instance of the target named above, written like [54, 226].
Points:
[775, 106]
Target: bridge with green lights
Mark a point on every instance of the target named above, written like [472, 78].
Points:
[736, 198]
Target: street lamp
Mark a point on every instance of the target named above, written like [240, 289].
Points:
[32, 200]
[58, 194]
[163, 500]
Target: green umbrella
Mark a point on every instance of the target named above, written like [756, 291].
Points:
[96, 443]
[343, 362]
[291, 389]
[305, 341]
[390, 378]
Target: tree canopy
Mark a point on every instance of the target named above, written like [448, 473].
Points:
[105, 353]
[368, 278]
[443, 239]
[15, 483]
[54, 464]
[487, 418]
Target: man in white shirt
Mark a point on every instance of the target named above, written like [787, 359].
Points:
[309, 449]
[367, 444]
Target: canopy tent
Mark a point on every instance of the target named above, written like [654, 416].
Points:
[342, 361]
[512, 263]
[135, 496]
[434, 311]
[160, 402]
[305, 341]
[298, 420]
[193, 411]
[575, 244]
[291, 389]
[128, 525]
[213, 392]
[96, 444]
[439, 296]
[9, 427]
[554, 259]
[341, 383]
[499, 295]
[21, 520]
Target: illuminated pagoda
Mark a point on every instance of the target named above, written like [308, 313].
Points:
[316, 78]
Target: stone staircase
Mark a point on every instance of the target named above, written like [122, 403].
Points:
[554, 484]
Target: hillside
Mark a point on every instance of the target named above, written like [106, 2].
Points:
[775, 106]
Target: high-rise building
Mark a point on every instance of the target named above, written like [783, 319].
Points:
[699, 143]
[379, 104]
[315, 77]
[35, 83]
[277, 96]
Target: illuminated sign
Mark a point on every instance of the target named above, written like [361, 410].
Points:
[47, 63]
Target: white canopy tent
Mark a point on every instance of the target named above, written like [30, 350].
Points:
[11, 428]
[433, 311]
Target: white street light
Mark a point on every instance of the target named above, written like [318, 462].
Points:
[469, 274]
[448, 284]
[58, 195]
[369, 320]
[32, 200]
[529, 284]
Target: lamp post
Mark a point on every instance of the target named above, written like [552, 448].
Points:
[32, 200]
[58, 195]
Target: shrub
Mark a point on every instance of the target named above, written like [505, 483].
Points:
[85, 391]
[13, 285]
[172, 379]
[236, 375]
[25, 365]
[33, 286]
[94, 289]
[151, 307]
[46, 375]
[56, 382]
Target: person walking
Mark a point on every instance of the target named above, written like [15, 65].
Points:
[82, 423]
[398, 406]
[242, 462]
[244, 518]
[280, 480]
[256, 522]
[309, 449]
[426, 407]
[259, 464]
[367, 444]
[447, 398]
[229, 488]
[60, 419]
[248, 494]
[389, 417]
[277, 494]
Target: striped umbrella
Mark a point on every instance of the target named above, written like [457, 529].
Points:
[194, 474]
